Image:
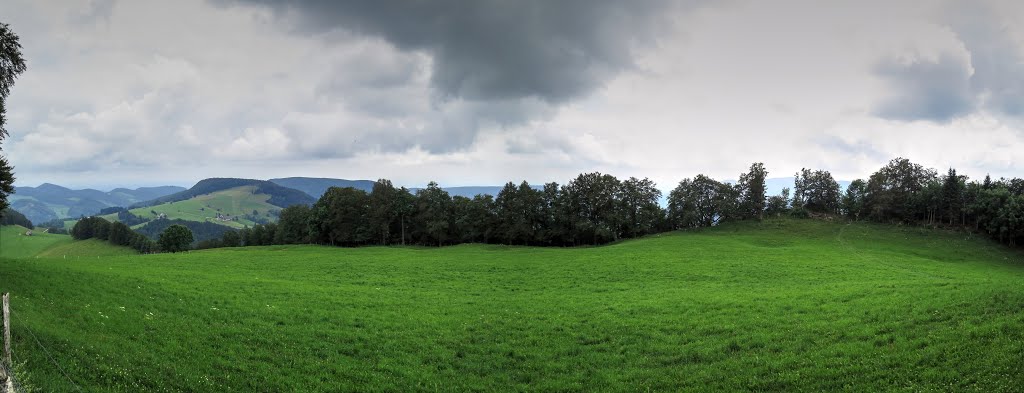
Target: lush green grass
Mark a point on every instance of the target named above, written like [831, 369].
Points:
[780, 305]
[14, 243]
[235, 202]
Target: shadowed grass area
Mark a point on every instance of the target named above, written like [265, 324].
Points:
[781, 305]
[86, 248]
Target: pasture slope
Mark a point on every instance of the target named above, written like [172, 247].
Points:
[782, 305]
[14, 244]
[236, 202]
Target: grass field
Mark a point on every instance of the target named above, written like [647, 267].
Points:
[14, 244]
[773, 306]
[235, 202]
[85, 248]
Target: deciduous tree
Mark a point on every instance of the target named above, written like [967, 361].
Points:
[816, 191]
[12, 64]
[175, 238]
[752, 191]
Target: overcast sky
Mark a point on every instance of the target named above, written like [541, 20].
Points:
[479, 92]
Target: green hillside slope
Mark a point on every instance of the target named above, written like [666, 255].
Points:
[85, 248]
[235, 206]
[15, 244]
[773, 306]
[278, 195]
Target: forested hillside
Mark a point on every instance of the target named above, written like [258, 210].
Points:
[279, 195]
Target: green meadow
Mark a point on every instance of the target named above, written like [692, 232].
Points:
[14, 243]
[781, 305]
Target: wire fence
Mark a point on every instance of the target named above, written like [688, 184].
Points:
[14, 381]
[46, 351]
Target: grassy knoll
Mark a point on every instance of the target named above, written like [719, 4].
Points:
[780, 305]
[237, 201]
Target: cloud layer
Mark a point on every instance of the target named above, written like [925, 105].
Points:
[481, 92]
[497, 50]
[982, 69]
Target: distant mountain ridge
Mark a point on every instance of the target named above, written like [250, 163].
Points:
[50, 201]
[774, 186]
[317, 186]
[280, 196]
[472, 191]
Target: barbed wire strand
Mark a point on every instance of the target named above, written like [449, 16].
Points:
[48, 355]
[14, 381]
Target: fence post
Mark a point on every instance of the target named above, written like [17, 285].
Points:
[6, 330]
[7, 343]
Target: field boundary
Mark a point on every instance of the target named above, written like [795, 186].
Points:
[10, 383]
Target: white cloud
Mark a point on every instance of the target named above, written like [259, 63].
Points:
[256, 145]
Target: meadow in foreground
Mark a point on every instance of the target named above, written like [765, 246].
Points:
[780, 305]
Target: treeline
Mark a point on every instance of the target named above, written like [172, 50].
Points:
[116, 233]
[55, 226]
[9, 216]
[903, 191]
[596, 208]
[201, 230]
[593, 208]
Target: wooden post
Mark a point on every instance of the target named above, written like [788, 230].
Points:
[7, 330]
[6, 360]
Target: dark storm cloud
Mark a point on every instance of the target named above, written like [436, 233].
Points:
[991, 78]
[937, 90]
[495, 49]
[997, 60]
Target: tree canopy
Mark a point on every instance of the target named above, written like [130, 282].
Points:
[12, 64]
[175, 238]
[597, 208]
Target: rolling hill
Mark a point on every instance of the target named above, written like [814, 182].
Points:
[14, 243]
[316, 187]
[235, 207]
[50, 201]
[780, 305]
[277, 195]
[211, 207]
